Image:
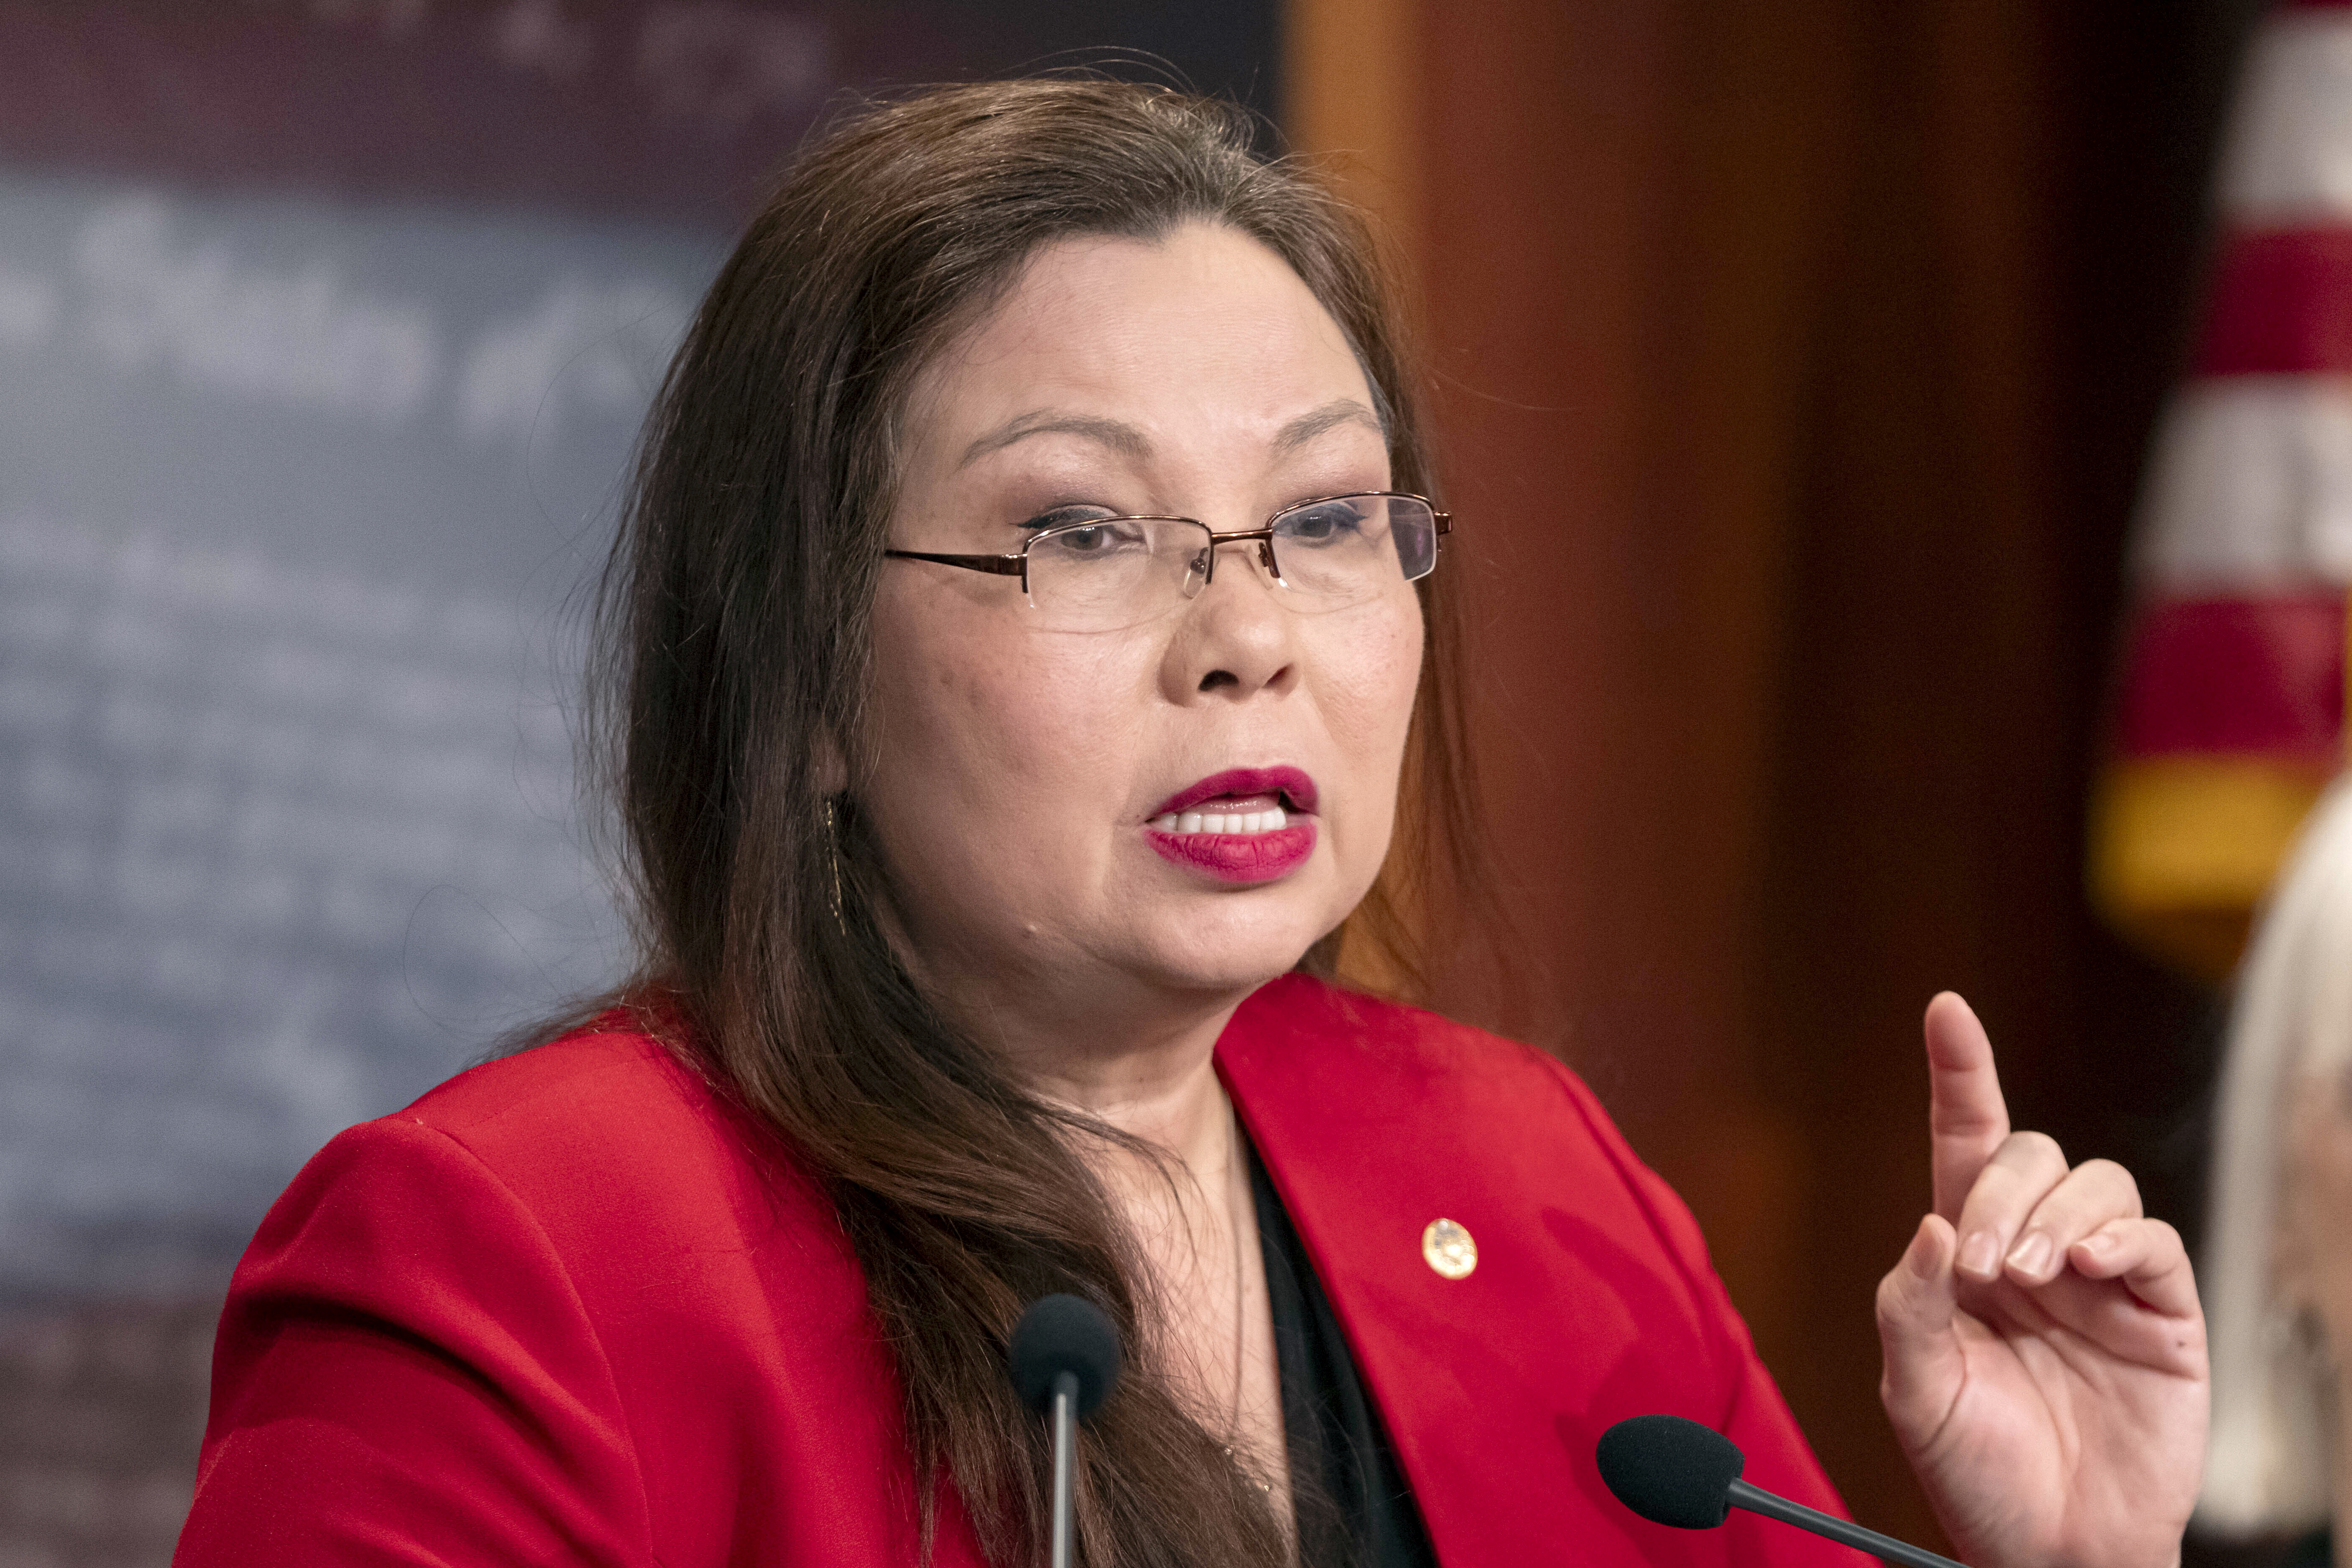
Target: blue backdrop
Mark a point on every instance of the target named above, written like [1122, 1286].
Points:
[324, 333]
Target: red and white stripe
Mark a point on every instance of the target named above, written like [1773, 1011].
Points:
[2231, 709]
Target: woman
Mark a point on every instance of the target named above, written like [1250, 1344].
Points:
[2281, 1256]
[1025, 619]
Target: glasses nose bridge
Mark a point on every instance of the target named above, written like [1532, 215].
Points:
[1262, 538]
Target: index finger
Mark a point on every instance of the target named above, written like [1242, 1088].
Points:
[1967, 1118]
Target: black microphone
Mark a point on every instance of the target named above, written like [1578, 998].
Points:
[1677, 1472]
[1063, 1359]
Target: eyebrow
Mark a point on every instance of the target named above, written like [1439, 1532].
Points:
[1122, 438]
[1129, 442]
[1319, 421]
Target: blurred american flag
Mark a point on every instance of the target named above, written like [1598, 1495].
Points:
[2231, 711]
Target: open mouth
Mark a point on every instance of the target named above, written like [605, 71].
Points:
[1243, 825]
[1230, 799]
[1231, 814]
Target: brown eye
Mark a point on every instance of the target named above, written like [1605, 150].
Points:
[1110, 537]
[1331, 523]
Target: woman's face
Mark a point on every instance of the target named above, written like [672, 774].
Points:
[1032, 782]
[2313, 1244]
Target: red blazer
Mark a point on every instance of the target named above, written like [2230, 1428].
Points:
[557, 1311]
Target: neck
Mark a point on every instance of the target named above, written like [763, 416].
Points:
[1158, 1082]
[1128, 1051]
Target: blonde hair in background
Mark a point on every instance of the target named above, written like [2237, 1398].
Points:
[2269, 1460]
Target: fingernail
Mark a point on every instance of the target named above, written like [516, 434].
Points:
[2031, 1256]
[2097, 1241]
[1981, 1255]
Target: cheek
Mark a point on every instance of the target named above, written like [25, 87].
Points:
[985, 736]
[1372, 671]
[1375, 669]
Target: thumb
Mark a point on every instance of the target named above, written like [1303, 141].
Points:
[1922, 1369]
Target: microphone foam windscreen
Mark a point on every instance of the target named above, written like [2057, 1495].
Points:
[1063, 1334]
[1670, 1470]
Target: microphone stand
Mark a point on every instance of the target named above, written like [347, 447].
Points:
[1065, 1441]
[1885, 1548]
[1063, 1359]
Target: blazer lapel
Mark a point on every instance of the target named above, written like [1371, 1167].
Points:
[1376, 1122]
[1349, 1153]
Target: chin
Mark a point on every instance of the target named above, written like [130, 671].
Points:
[1235, 955]
[1242, 975]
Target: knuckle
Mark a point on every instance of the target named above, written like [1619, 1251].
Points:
[1999, 1198]
[2110, 1177]
[2035, 1150]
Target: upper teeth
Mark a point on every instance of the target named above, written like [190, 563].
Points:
[1264, 821]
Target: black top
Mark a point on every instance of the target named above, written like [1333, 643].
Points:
[2316, 1550]
[1354, 1507]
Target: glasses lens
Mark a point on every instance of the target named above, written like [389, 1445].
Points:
[1353, 547]
[1118, 572]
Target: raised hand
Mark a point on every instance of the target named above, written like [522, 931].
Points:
[2044, 1349]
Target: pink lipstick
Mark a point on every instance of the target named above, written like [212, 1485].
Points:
[1243, 825]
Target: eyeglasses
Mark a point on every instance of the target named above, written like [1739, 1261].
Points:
[1108, 573]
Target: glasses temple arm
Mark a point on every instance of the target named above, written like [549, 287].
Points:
[1002, 565]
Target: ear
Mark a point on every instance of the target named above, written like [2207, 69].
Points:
[832, 766]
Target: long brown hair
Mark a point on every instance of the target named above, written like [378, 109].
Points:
[734, 623]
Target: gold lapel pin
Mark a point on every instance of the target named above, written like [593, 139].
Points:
[1447, 1248]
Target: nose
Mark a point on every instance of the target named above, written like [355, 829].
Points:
[1236, 638]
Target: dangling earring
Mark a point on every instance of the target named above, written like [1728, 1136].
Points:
[833, 861]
